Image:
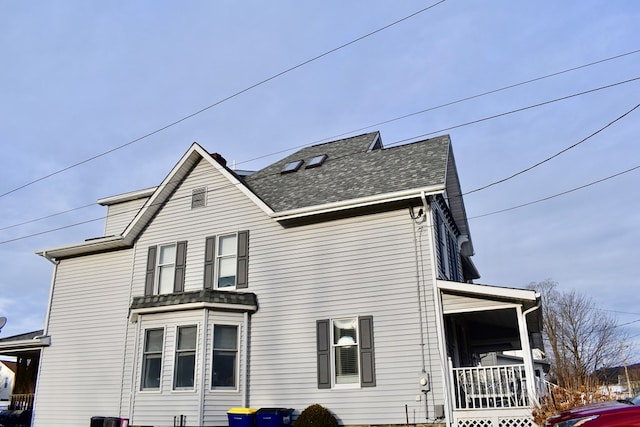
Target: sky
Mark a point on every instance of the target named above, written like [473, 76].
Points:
[103, 98]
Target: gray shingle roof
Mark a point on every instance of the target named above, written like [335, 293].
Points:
[352, 171]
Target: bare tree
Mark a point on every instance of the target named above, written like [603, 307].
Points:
[580, 338]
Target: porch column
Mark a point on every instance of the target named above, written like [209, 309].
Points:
[527, 357]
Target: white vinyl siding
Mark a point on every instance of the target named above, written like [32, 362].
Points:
[88, 323]
[119, 216]
[334, 269]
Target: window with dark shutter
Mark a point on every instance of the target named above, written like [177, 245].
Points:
[181, 261]
[349, 339]
[324, 354]
[150, 277]
[209, 262]
[367, 359]
[242, 273]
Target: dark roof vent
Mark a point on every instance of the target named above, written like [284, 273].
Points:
[218, 158]
[316, 161]
[292, 166]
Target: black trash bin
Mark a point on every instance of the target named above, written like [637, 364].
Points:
[274, 417]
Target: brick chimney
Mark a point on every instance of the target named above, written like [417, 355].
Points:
[218, 157]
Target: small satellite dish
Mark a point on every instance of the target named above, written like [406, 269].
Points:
[3, 321]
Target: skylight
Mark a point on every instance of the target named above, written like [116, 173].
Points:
[316, 161]
[292, 166]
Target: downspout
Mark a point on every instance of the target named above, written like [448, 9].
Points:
[437, 305]
[45, 332]
[245, 361]
[203, 369]
[53, 284]
[526, 352]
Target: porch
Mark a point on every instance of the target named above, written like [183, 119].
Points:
[490, 333]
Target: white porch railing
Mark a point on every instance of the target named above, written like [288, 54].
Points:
[490, 387]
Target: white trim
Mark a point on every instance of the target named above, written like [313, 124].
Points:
[35, 343]
[356, 203]
[488, 308]
[194, 388]
[488, 290]
[142, 359]
[126, 197]
[332, 346]
[239, 333]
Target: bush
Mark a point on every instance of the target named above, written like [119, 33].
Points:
[316, 416]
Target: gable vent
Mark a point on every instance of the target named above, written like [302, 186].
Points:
[198, 197]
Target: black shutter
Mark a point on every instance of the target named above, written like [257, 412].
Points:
[209, 261]
[150, 277]
[324, 353]
[367, 359]
[242, 272]
[181, 261]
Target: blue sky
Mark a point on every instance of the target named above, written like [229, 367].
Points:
[78, 79]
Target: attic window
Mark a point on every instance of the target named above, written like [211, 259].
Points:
[292, 166]
[316, 161]
[199, 197]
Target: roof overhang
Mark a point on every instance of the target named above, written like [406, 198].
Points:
[156, 198]
[13, 347]
[377, 200]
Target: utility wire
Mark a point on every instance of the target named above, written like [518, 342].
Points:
[558, 194]
[500, 181]
[234, 95]
[474, 217]
[396, 142]
[513, 111]
[447, 104]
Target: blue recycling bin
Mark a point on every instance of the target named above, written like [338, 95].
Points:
[274, 417]
[241, 417]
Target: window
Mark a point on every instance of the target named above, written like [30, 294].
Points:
[185, 361]
[152, 359]
[292, 166]
[226, 261]
[225, 357]
[316, 161]
[166, 268]
[345, 352]
[227, 246]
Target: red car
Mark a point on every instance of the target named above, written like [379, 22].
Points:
[617, 413]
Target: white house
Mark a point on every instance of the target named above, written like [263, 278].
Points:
[7, 375]
[339, 275]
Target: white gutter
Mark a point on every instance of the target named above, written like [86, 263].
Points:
[203, 369]
[357, 203]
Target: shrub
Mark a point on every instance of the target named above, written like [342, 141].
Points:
[316, 416]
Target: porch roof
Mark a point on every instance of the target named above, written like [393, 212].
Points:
[22, 343]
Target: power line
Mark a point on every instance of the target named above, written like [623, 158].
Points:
[447, 104]
[500, 181]
[234, 95]
[495, 116]
[544, 199]
[404, 140]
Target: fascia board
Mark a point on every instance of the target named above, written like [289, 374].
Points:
[30, 344]
[488, 290]
[157, 198]
[357, 203]
[126, 197]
